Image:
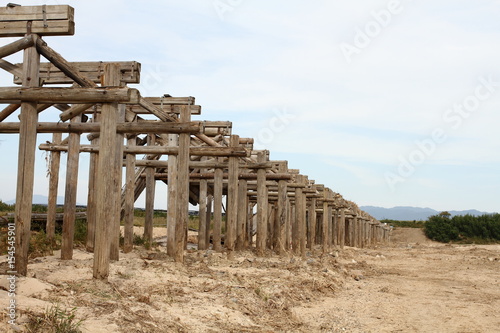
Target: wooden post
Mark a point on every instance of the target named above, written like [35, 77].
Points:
[183, 188]
[342, 228]
[105, 185]
[300, 203]
[26, 161]
[150, 199]
[261, 206]
[312, 217]
[55, 162]
[216, 236]
[202, 214]
[70, 193]
[128, 242]
[210, 200]
[117, 175]
[91, 199]
[324, 226]
[242, 214]
[281, 213]
[232, 198]
[173, 141]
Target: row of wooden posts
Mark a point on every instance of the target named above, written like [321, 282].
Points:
[269, 207]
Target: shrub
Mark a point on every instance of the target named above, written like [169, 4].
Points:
[467, 228]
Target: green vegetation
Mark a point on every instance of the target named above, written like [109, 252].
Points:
[464, 229]
[54, 320]
[404, 224]
[6, 207]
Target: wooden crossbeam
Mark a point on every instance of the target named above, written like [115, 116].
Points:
[130, 72]
[55, 20]
[123, 128]
[15, 95]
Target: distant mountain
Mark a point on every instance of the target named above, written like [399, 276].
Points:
[406, 213]
[39, 199]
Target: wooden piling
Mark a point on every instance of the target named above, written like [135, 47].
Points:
[129, 198]
[55, 162]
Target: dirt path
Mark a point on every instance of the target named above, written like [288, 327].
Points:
[413, 285]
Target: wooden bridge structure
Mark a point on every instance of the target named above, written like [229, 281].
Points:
[269, 207]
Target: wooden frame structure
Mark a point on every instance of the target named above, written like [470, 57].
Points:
[205, 161]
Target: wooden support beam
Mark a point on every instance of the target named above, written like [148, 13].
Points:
[312, 219]
[92, 195]
[108, 94]
[18, 45]
[7, 111]
[55, 162]
[26, 162]
[150, 195]
[73, 160]
[183, 185]
[242, 214]
[202, 213]
[117, 175]
[106, 187]
[128, 243]
[281, 213]
[232, 198]
[173, 141]
[261, 206]
[216, 238]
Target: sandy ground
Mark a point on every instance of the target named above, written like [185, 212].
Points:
[412, 285]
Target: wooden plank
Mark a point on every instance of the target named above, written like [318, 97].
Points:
[49, 74]
[73, 159]
[106, 189]
[69, 95]
[53, 28]
[55, 162]
[261, 206]
[232, 197]
[26, 163]
[36, 13]
[129, 199]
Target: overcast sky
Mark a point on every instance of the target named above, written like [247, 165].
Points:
[388, 103]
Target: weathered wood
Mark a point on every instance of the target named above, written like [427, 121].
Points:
[92, 195]
[324, 225]
[202, 213]
[16, 46]
[312, 219]
[55, 28]
[157, 150]
[7, 111]
[232, 197]
[261, 206]
[281, 213]
[50, 74]
[26, 163]
[55, 162]
[210, 200]
[242, 214]
[183, 185]
[74, 111]
[73, 160]
[128, 243]
[300, 203]
[69, 95]
[106, 187]
[150, 199]
[216, 239]
[122, 128]
[173, 141]
[115, 233]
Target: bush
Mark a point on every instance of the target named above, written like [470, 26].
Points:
[465, 228]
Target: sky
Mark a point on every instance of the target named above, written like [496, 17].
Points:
[389, 103]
